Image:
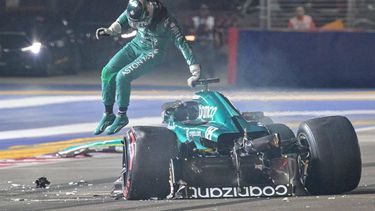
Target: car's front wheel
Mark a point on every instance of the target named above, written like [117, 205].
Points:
[146, 157]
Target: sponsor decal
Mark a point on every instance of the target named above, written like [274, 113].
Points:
[209, 132]
[239, 192]
[207, 112]
[192, 133]
[136, 64]
[174, 29]
[171, 124]
[132, 149]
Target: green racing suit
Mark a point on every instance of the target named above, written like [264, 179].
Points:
[140, 56]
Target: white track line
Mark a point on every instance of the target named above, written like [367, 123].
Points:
[42, 101]
[319, 113]
[302, 97]
[365, 129]
[69, 129]
[89, 127]
[48, 100]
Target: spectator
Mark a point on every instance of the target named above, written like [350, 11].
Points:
[301, 21]
[204, 30]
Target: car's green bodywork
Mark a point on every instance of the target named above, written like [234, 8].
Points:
[217, 118]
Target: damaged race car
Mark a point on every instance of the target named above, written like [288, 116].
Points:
[208, 149]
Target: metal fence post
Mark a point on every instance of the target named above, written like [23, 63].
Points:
[350, 16]
[269, 6]
[263, 14]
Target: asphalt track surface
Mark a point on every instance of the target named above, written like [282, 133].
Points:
[39, 119]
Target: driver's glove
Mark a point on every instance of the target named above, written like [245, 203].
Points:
[114, 29]
[196, 74]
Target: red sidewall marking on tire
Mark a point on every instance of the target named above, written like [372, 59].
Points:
[131, 155]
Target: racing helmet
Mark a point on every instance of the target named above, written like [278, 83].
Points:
[137, 10]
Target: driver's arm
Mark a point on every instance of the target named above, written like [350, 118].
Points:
[179, 40]
[120, 24]
[123, 20]
[115, 28]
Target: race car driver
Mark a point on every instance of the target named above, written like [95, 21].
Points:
[155, 28]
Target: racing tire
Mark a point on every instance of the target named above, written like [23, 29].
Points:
[257, 117]
[266, 120]
[284, 131]
[335, 158]
[146, 158]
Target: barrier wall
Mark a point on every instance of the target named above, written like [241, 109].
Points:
[301, 59]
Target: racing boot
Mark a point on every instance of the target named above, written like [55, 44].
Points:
[107, 120]
[120, 122]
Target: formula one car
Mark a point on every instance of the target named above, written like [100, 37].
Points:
[209, 149]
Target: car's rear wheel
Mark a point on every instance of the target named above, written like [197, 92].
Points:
[146, 158]
[284, 131]
[287, 137]
[257, 117]
[332, 164]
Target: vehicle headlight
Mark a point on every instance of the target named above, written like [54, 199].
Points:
[34, 48]
[190, 38]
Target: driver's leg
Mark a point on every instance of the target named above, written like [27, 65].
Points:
[123, 57]
[143, 64]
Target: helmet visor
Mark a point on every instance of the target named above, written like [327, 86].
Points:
[137, 11]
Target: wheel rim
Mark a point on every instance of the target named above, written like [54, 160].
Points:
[304, 158]
[125, 165]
